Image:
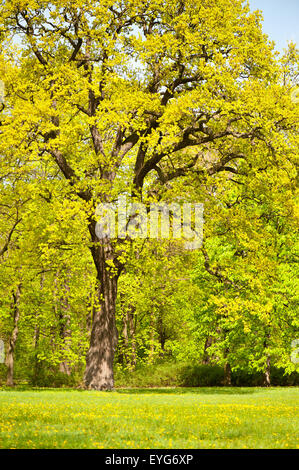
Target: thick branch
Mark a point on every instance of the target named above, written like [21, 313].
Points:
[6, 245]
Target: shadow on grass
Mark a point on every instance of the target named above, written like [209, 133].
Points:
[189, 390]
[148, 391]
[28, 388]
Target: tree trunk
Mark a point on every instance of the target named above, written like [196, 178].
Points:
[206, 358]
[125, 337]
[37, 364]
[64, 366]
[227, 374]
[128, 347]
[163, 336]
[267, 375]
[227, 370]
[36, 361]
[125, 355]
[14, 336]
[104, 337]
[62, 312]
[152, 338]
[65, 331]
[132, 322]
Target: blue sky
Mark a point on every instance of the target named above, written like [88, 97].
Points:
[281, 20]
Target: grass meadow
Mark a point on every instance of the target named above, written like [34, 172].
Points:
[178, 418]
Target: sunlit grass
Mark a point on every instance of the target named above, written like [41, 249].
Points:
[167, 418]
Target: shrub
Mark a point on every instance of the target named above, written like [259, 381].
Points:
[202, 376]
[155, 375]
[199, 375]
[245, 378]
[53, 378]
[278, 377]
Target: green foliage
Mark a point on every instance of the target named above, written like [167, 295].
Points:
[54, 378]
[202, 376]
[154, 375]
[247, 378]
[173, 374]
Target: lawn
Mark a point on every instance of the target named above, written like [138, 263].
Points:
[150, 418]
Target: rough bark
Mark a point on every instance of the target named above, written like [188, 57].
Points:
[14, 336]
[104, 337]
